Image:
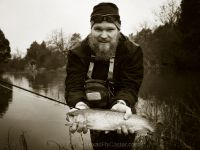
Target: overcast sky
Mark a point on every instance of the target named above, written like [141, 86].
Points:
[25, 21]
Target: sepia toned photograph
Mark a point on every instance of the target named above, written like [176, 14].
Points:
[99, 75]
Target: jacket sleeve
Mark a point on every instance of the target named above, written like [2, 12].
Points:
[74, 83]
[130, 78]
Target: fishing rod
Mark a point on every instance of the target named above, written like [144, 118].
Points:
[4, 82]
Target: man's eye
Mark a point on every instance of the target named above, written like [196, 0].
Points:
[97, 29]
[110, 29]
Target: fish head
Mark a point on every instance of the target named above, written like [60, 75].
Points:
[71, 117]
[74, 117]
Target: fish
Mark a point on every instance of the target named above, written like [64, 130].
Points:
[109, 120]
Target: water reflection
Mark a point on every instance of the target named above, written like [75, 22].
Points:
[5, 97]
[50, 84]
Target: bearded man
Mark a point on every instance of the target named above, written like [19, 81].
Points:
[105, 44]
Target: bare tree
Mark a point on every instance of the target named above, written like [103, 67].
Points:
[169, 12]
[57, 40]
[17, 54]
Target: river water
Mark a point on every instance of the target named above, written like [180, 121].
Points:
[168, 98]
[29, 120]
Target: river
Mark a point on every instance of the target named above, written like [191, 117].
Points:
[169, 98]
[31, 121]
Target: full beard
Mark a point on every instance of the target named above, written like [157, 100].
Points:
[103, 51]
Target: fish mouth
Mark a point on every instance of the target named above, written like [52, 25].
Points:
[68, 121]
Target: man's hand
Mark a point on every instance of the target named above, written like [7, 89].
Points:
[79, 126]
[122, 107]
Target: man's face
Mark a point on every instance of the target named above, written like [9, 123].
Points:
[104, 39]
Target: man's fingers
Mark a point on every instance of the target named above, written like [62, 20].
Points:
[131, 130]
[124, 129]
[119, 130]
[85, 129]
[114, 107]
[128, 114]
[80, 127]
[73, 128]
[72, 110]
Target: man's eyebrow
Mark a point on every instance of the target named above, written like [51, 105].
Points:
[110, 27]
[97, 27]
[100, 27]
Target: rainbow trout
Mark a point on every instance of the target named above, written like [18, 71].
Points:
[108, 120]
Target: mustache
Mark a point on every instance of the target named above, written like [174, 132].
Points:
[104, 49]
[104, 40]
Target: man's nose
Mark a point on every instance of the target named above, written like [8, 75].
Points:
[104, 35]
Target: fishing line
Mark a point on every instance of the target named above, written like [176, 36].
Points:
[29, 91]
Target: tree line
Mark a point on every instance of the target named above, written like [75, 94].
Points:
[50, 54]
[175, 43]
[4, 50]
